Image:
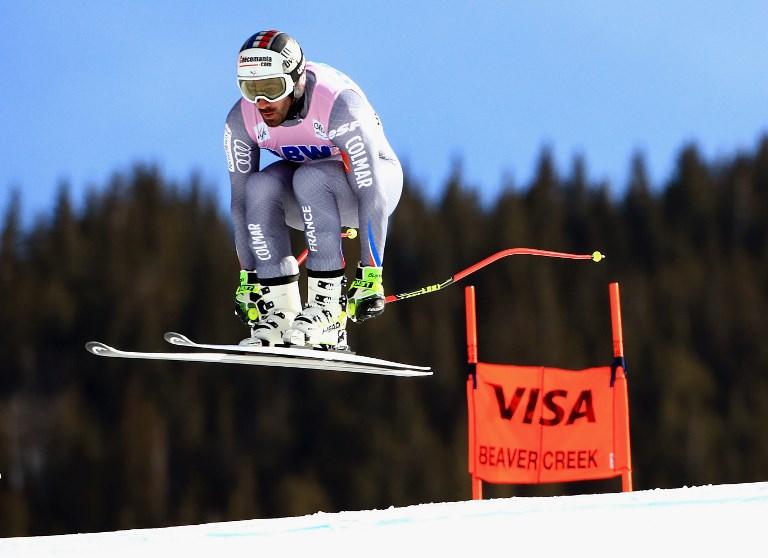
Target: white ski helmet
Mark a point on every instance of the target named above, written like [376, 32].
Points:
[270, 66]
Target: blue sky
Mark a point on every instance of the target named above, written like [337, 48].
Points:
[89, 88]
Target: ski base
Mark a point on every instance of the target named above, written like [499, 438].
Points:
[269, 356]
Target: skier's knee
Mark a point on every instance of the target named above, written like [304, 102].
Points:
[305, 181]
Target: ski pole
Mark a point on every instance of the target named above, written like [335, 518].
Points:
[594, 256]
[349, 233]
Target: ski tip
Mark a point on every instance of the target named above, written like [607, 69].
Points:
[177, 338]
[97, 348]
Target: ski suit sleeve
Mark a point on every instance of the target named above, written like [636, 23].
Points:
[358, 136]
[242, 161]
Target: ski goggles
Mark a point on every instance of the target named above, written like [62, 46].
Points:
[272, 88]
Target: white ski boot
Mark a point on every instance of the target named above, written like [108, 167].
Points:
[323, 322]
[278, 305]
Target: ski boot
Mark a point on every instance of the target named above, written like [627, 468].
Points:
[323, 321]
[366, 295]
[247, 298]
[279, 302]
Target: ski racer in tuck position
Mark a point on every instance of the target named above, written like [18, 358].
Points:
[336, 169]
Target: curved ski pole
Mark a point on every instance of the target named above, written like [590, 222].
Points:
[349, 233]
[594, 256]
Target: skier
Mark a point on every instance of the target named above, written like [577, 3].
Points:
[336, 169]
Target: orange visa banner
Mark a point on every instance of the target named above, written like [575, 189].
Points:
[531, 424]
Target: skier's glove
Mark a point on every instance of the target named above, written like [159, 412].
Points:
[366, 295]
[247, 297]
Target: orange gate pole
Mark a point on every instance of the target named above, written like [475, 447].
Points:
[618, 355]
[471, 320]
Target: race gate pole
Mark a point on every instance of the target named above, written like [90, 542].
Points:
[471, 321]
[621, 381]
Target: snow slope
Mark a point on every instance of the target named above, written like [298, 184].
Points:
[722, 521]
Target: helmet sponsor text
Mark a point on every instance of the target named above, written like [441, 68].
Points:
[256, 60]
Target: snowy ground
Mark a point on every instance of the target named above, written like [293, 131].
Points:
[722, 521]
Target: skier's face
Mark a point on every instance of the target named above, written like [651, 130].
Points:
[274, 113]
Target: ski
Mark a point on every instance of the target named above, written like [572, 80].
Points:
[290, 351]
[103, 350]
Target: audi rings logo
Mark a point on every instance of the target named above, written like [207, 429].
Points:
[242, 155]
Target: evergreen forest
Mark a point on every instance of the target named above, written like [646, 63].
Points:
[90, 444]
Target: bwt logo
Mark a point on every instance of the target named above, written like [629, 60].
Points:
[554, 401]
[300, 153]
